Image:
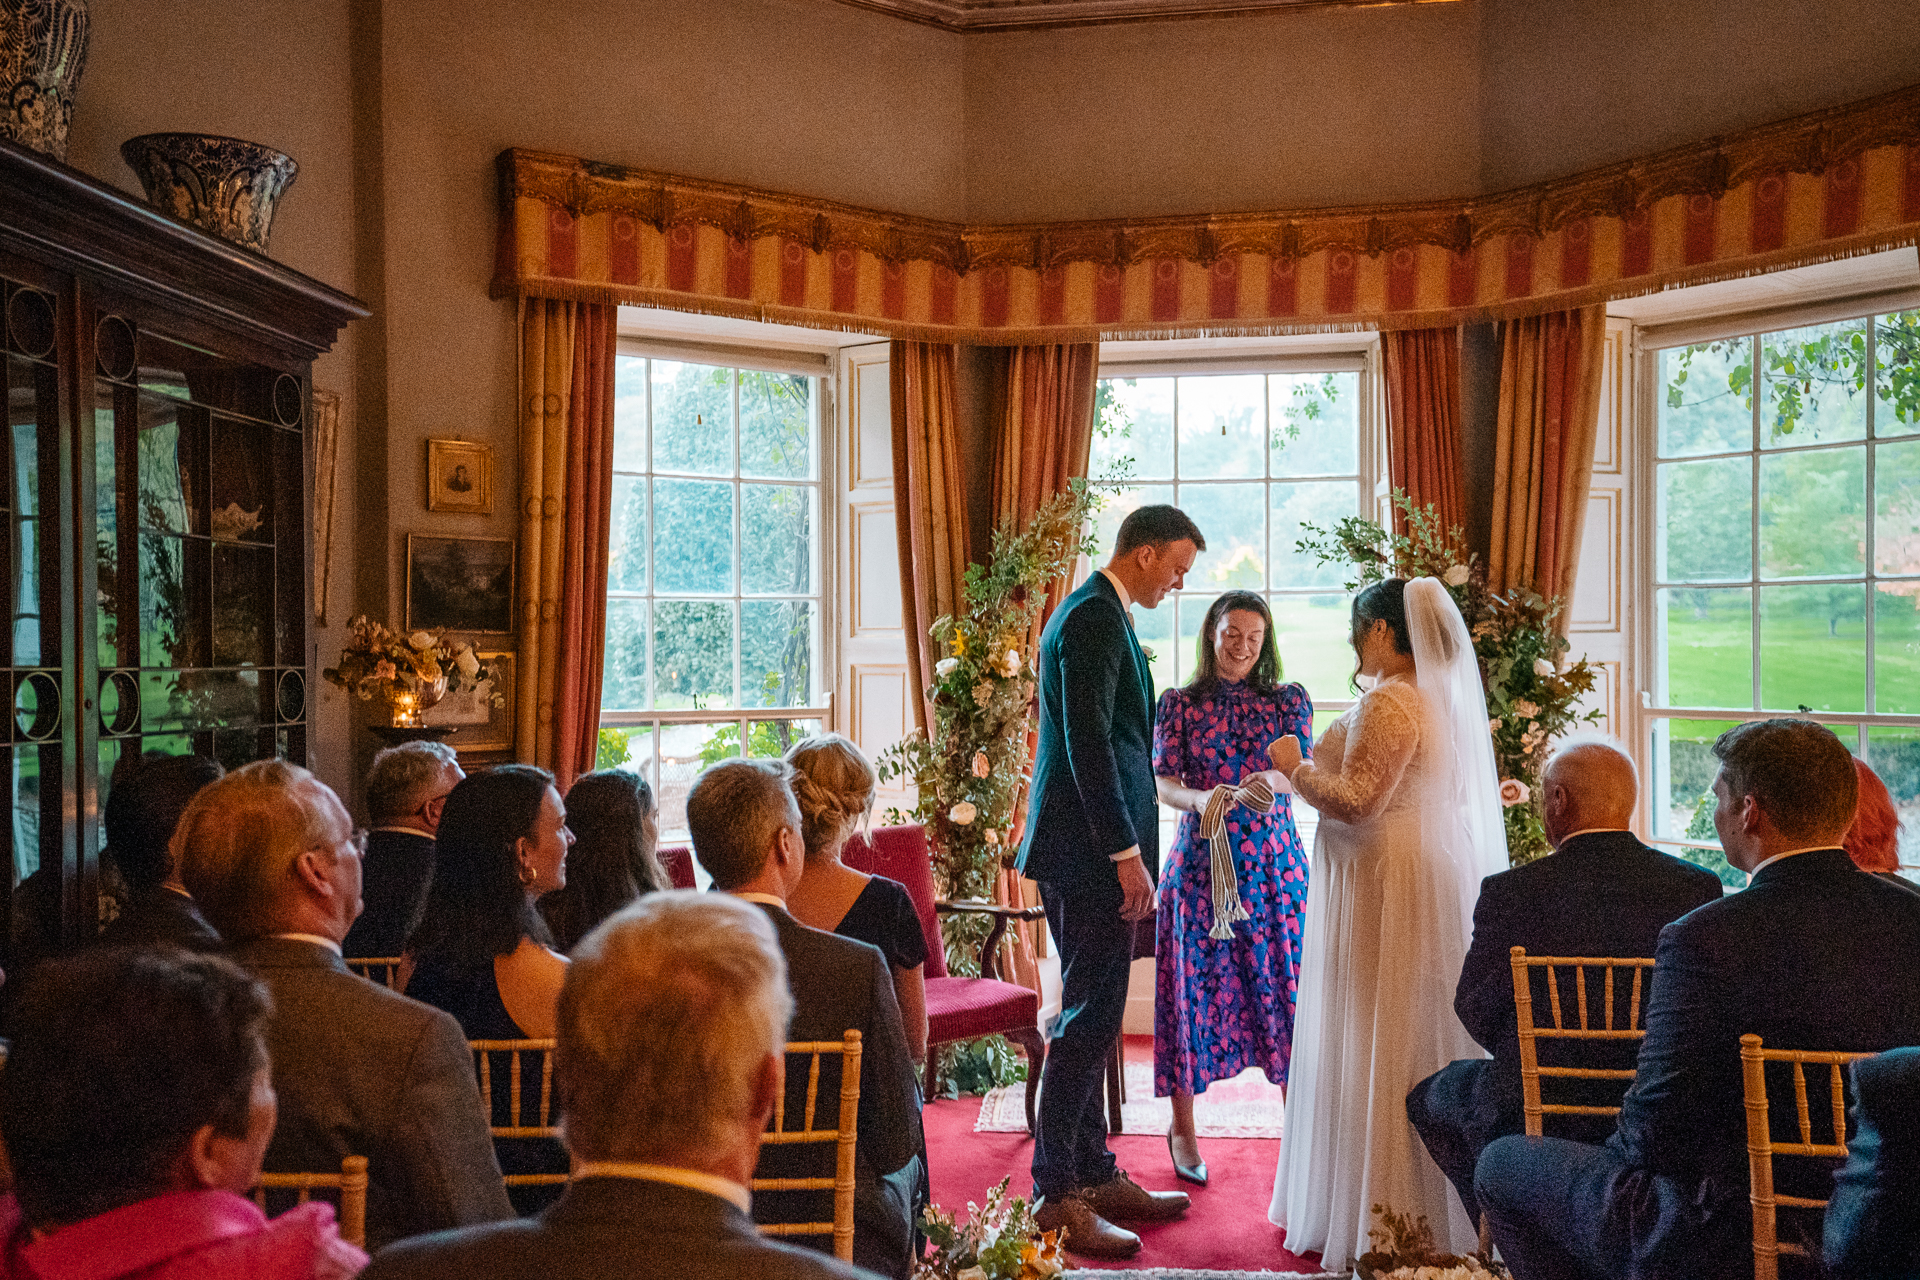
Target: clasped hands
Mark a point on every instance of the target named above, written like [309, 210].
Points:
[1284, 754]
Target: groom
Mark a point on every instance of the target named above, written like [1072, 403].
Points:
[1093, 843]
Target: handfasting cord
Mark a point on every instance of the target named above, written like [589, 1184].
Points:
[1255, 794]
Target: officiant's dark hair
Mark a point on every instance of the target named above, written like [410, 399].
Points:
[1265, 676]
[1382, 602]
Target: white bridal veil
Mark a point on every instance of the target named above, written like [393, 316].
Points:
[1461, 817]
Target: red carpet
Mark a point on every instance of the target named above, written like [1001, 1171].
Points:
[1227, 1228]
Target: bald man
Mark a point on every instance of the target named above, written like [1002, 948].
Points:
[1601, 893]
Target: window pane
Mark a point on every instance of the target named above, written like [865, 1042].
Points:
[627, 535]
[1312, 634]
[629, 414]
[1896, 508]
[777, 644]
[686, 749]
[1894, 754]
[1316, 502]
[1896, 378]
[1704, 529]
[692, 418]
[1684, 769]
[692, 653]
[1133, 419]
[1813, 384]
[629, 747]
[1706, 647]
[776, 424]
[1316, 423]
[770, 739]
[1896, 648]
[692, 536]
[776, 538]
[1813, 648]
[1186, 655]
[1106, 522]
[1153, 628]
[1233, 519]
[1813, 513]
[623, 673]
[1706, 398]
[1223, 426]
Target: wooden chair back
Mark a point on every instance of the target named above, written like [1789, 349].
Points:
[842, 1136]
[902, 854]
[351, 1182]
[1761, 1148]
[1611, 1025]
[512, 1056]
[384, 970]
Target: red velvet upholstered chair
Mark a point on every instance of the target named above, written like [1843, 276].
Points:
[957, 1008]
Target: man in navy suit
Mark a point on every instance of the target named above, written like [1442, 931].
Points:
[1093, 843]
[1813, 954]
[1602, 893]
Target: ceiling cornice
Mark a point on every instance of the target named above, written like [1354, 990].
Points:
[978, 16]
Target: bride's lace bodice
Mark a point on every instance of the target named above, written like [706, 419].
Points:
[1371, 761]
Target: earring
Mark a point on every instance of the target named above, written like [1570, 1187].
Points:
[527, 874]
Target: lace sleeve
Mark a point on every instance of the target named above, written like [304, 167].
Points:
[1380, 741]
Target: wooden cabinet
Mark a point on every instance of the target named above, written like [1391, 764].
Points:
[155, 558]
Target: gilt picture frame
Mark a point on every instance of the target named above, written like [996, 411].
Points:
[478, 725]
[460, 477]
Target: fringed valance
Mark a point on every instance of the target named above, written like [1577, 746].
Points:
[1829, 185]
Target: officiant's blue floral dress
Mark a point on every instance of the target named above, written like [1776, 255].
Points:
[1223, 1005]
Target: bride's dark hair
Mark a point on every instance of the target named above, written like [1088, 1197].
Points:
[1382, 602]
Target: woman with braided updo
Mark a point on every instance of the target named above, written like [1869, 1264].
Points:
[834, 784]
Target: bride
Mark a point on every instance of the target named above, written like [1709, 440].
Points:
[1409, 825]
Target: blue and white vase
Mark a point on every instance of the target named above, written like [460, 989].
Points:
[43, 50]
[222, 185]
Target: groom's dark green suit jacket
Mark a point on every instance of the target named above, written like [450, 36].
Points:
[1093, 790]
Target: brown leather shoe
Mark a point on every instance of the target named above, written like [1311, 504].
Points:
[1121, 1199]
[1083, 1231]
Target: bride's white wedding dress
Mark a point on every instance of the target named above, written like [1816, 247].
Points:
[1397, 861]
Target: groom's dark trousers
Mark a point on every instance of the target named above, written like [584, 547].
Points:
[1093, 797]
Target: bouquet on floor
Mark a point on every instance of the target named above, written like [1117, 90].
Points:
[1533, 693]
[999, 1241]
[1403, 1249]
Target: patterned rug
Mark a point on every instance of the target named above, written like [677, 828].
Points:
[1246, 1106]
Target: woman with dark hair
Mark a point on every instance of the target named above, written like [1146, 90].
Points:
[1409, 825]
[136, 1107]
[481, 951]
[1233, 890]
[612, 816]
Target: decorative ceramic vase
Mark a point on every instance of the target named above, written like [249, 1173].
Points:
[43, 50]
[418, 696]
[222, 185]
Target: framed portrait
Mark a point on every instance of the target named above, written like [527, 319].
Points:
[477, 724]
[460, 477]
[462, 584]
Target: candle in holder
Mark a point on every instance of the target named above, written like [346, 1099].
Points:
[405, 713]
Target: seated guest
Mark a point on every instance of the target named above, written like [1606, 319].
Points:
[671, 1030]
[407, 788]
[270, 855]
[480, 950]
[1873, 1220]
[1601, 893]
[1811, 955]
[834, 786]
[613, 859]
[746, 833]
[1873, 841]
[136, 1105]
[143, 808]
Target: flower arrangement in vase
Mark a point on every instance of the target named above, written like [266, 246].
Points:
[998, 1242]
[1404, 1249]
[407, 671]
[1533, 694]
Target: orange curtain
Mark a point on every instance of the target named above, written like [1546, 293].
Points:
[583, 561]
[1041, 445]
[1422, 368]
[1543, 463]
[930, 503]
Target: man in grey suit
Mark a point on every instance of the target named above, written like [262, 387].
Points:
[672, 1023]
[746, 832]
[271, 856]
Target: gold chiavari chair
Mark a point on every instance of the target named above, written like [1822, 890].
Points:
[1761, 1148]
[515, 1051]
[842, 1136]
[1530, 1069]
[351, 1182]
[382, 969]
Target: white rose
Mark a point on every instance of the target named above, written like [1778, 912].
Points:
[1455, 576]
[981, 768]
[963, 813]
[946, 667]
[1007, 664]
[1541, 667]
[420, 640]
[993, 838]
[972, 1273]
[466, 663]
[1513, 791]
